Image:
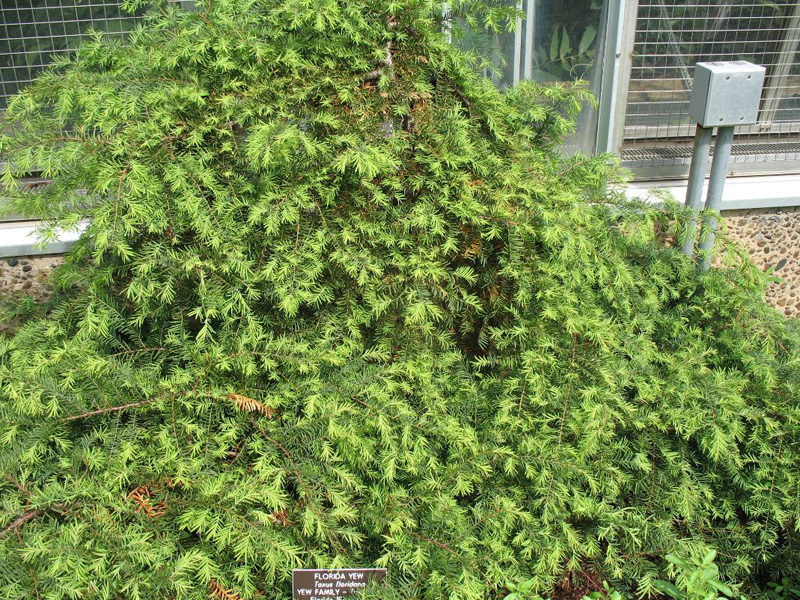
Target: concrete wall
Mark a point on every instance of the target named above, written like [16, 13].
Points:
[771, 235]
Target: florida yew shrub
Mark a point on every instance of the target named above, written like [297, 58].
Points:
[341, 303]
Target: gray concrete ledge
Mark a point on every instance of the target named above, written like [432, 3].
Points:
[741, 193]
[19, 239]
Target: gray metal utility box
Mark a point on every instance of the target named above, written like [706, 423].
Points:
[726, 93]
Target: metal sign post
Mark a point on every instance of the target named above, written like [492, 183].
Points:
[724, 95]
[694, 190]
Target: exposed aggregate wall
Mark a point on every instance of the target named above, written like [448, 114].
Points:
[27, 274]
[772, 236]
[24, 275]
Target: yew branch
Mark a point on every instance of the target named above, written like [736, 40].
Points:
[387, 62]
[21, 520]
[111, 409]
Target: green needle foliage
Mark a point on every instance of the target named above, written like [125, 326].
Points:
[341, 303]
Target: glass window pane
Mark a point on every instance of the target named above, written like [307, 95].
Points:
[555, 40]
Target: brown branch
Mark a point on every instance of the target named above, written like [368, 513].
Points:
[218, 592]
[17, 484]
[121, 178]
[246, 404]
[156, 349]
[387, 62]
[441, 545]
[83, 140]
[21, 520]
[111, 409]
[372, 75]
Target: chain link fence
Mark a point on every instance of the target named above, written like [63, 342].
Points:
[34, 32]
[673, 35]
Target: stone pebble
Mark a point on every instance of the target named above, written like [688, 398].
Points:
[772, 237]
[27, 275]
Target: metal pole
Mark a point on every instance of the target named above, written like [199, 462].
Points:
[616, 74]
[530, 19]
[517, 48]
[694, 191]
[719, 171]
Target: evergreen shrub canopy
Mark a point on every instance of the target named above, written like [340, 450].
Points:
[341, 303]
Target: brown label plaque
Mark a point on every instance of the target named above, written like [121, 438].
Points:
[323, 584]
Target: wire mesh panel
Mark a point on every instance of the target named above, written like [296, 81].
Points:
[673, 35]
[33, 32]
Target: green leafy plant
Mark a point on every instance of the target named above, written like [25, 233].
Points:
[608, 593]
[786, 589]
[696, 579]
[342, 303]
[524, 590]
[565, 61]
[569, 38]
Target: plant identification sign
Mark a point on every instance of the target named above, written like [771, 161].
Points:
[323, 584]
